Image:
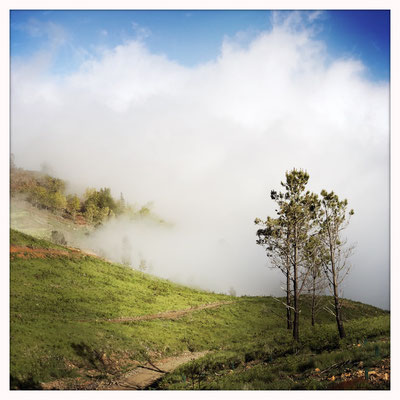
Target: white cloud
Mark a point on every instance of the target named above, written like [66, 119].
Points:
[54, 33]
[312, 16]
[207, 144]
[141, 32]
[127, 75]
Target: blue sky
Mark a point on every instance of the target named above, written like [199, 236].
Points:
[190, 37]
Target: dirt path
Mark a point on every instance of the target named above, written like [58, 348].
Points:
[169, 314]
[146, 374]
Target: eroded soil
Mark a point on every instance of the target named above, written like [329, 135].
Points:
[29, 252]
[145, 375]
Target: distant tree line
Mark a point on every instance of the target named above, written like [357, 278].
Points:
[93, 208]
[304, 241]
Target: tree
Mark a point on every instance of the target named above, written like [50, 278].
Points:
[120, 205]
[102, 214]
[145, 210]
[53, 185]
[286, 236]
[142, 265]
[90, 211]
[299, 211]
[275, 237]
[126, 251]
[57, 201]
[333, 218]
[315, 255]
[105, 199]
[38, 196]
[73, 204]
[90, 194]
[232, 291]
[98, 205]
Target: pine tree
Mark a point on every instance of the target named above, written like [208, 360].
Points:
[285, 237]
[334, 219]
[275, 237]
[315, 255]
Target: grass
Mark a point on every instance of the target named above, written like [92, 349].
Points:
[59, 309]
[21, 239]
[59, 303]
[266, 365]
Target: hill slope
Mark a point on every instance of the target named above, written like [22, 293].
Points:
[84, 322]
[31, 220]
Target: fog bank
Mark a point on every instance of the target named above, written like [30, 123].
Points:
[207, 144]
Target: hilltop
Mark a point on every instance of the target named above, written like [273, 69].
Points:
[78, 321]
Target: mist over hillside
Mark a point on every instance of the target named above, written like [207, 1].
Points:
[207, 144]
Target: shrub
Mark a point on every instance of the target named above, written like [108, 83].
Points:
[58, 238]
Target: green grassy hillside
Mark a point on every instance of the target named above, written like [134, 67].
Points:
[62, 304]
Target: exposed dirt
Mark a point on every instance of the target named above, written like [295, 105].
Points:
[146, 374]
[80, 220]
[142, 376]
[33, 252]
[29, 252]
[169, 314]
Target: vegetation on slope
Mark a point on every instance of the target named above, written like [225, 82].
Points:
[31, 220]
[61, 306]
[92, 208]
[58, 303]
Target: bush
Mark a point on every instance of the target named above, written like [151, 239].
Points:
[58, 238]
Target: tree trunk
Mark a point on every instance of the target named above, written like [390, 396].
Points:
[288, 300]
[333, 236]
[295, 293]
[338, 313]
[313, 304]
[296, 318]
